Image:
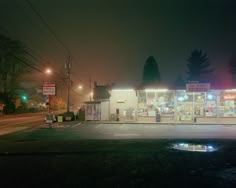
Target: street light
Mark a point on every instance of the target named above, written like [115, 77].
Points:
[48, 71]
[80, 87]
[48, 87]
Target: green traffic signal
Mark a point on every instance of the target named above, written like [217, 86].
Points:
[24, 98]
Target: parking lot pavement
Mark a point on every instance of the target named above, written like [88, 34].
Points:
[100, 130]
[154, 131]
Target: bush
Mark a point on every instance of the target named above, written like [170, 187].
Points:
[9, 108]
[32, 110]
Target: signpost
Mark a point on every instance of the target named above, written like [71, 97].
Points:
[49, 89]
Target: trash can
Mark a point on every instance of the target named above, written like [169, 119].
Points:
[60, 119]
[117, 114]
[158, 117]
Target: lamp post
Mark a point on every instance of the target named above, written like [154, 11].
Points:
[67, 70]
[48, 71]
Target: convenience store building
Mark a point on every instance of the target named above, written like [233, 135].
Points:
[130, 105]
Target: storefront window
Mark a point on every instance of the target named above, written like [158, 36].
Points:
[227, 104]
[211, 104]
[151, 103]
[184, 108]
[165, 102]
[199, 102]
[142, 103]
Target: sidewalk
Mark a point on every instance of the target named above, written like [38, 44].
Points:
[159, 123]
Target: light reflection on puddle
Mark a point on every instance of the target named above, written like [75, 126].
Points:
[194, 147]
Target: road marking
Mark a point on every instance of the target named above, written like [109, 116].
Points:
[99, 125]
[76, 125]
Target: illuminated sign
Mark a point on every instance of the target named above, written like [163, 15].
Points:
[198, 87]
[229, 97]
[49, 89]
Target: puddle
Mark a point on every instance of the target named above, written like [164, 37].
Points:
[194, 147]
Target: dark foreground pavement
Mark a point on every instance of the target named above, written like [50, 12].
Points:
[80, 155]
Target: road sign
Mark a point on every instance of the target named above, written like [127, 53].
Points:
[49, 89]
[198, 87]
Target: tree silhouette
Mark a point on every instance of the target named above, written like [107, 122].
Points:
[151, 73]
[198, 66]
[232, 68]
[232, 65]
[11, 68]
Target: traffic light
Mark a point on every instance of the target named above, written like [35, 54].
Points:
[24, 98]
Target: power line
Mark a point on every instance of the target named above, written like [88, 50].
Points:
[25, 63]
[49, 27]
[52, 32]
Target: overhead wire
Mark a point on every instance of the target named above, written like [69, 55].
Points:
[49, 28]
[51, 31]
[45, 62]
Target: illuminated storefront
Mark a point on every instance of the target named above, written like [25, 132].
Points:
[182, 106]
[227, 106]
[151, 102]
[170, 105]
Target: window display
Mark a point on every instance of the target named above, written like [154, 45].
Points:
[151, 103]
[165, 103]
[227, 104]
[184, 108]
[184, 111]
[142, 103]
[199, 102]
[211, 104]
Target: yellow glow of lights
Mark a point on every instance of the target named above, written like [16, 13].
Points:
[231, 90]
[156, 90]
[48, 71]
[123, 90]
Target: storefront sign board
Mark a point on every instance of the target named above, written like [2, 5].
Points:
[198, 87]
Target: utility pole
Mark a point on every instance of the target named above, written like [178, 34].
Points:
[67, 70]
[90, 87]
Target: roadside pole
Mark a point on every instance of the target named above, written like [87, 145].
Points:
[49, 89]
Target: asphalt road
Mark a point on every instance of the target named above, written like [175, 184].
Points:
[13, 123]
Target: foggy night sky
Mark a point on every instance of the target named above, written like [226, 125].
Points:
[111, 39]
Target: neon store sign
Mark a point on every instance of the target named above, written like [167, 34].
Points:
[229, 97]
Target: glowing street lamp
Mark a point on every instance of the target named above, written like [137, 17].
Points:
[80, 87]
[48, 71]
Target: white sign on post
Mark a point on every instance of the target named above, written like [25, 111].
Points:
[49, 89]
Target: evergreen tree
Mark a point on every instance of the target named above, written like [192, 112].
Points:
[232, 69]
[232, 65]
[151, 73]
[198, 66]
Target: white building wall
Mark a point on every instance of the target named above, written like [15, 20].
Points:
[126, 101]
[105, 110]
